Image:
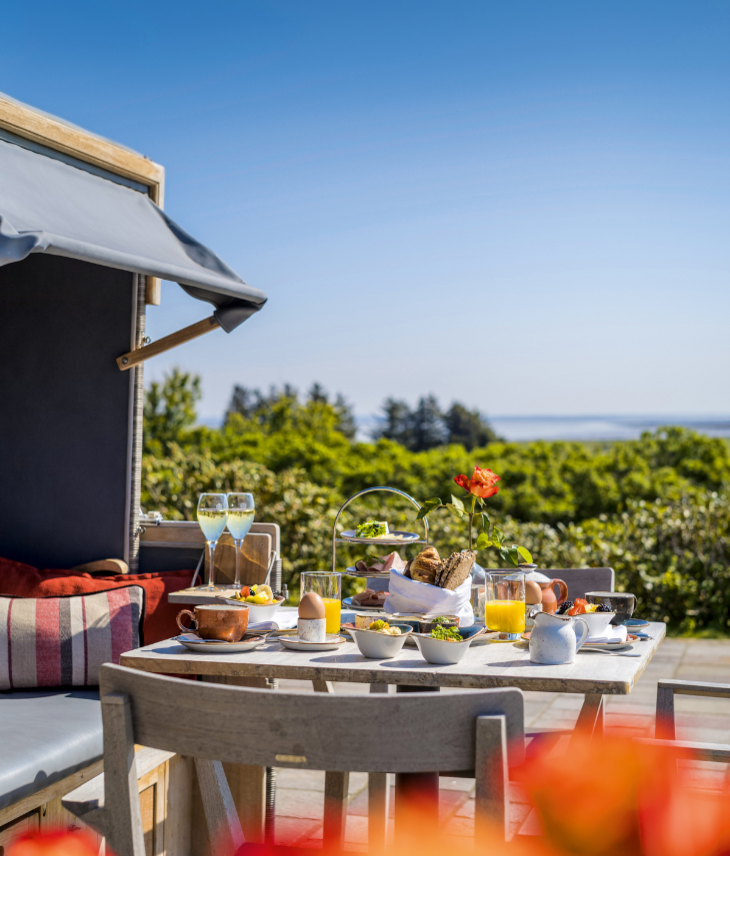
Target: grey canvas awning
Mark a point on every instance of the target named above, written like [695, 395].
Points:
[49, 206]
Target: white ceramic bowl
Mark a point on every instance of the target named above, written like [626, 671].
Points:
[376, 645]
[444, 653]
[258, 612]
[597, 622]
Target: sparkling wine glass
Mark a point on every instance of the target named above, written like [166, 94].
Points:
[212, 517]
[241, 510]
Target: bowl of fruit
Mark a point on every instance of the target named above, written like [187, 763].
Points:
[259, 600]
[597, 616]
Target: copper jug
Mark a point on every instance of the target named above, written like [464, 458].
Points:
[539, 589]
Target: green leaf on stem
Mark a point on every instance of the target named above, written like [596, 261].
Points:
[455, 509]
[498, 535]
[428, 507]
[458, 503]
[525, 554]
[483, 542]
[485, 521]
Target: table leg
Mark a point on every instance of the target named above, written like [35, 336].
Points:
[590, 718]
[378, 799]
[416, 795]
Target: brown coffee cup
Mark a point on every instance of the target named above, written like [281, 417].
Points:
[216, 623]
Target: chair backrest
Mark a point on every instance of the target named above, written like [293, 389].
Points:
[581, 580]
[370, 733]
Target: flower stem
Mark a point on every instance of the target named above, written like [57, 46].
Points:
[471, 519]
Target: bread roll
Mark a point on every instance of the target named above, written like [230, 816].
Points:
[425, 566]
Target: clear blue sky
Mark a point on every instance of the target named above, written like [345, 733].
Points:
[521, 205]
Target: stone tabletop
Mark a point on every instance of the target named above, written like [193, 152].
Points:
[484, 666]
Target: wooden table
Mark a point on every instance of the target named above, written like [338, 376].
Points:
[489, 665]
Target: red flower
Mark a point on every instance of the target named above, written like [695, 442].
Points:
[483, 483]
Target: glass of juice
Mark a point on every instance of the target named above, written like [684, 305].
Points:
[329, 587]
[241, 510]
[212, 518]
[505, 604]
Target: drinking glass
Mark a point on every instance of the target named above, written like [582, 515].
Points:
[505, 603]
[329, 587]
[240, 519]
[212, 517]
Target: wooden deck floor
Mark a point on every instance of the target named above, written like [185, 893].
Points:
[300, 795]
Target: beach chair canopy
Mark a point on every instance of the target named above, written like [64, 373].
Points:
[51, 204]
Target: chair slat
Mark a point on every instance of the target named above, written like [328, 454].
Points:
[329, 733]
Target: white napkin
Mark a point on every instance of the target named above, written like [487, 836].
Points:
[408, 596]
[283, 618]
[617, 635]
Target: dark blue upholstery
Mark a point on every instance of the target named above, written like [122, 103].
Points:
[44, 737]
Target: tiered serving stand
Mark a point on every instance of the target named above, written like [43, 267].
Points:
[387, 540]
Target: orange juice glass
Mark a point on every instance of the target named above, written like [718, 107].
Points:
[505, 606]
[506, 615]
[332, 609]
[329, 587]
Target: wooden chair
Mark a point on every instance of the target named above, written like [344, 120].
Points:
[665, 731]
[467, 732]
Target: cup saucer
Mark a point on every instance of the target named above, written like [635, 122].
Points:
[331, 642]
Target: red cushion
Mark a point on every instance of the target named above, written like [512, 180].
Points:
[21, 580]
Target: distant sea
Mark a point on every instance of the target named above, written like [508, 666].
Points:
[569, 428]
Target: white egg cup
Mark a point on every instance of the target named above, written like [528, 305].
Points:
[313, 630]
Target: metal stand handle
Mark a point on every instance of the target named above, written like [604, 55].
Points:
[360, 494]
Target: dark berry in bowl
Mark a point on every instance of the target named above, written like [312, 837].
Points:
[604, 607]
[564, 607]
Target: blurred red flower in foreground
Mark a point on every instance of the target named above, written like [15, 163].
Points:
[483, 483]
[56, 843]
[619, 797]
[603, 797]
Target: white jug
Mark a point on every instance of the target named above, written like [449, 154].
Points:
[554, 640]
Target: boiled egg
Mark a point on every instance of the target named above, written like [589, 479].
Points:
[311, 606]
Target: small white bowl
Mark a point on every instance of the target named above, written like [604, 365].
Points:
[258, 612]
[597, 622]
[444, 653]
[376, 645]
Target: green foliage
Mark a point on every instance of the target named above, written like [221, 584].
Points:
[655, 509]
[169, 409]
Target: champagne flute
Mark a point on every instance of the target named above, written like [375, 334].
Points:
[212, 517]
[241, 510]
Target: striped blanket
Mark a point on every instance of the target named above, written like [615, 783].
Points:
[53, 642]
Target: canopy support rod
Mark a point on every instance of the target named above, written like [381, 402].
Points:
[135, 357]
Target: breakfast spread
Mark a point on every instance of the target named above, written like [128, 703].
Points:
[445, 634]
[449, 573]
[371, 529]
[257, 593]
[386, 563]
[383, 628]
[579, 606]
[371, 598]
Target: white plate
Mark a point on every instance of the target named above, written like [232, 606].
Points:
[613, 645]
[350, 603]
[294, 643]
[393, 537]
[218, 646]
